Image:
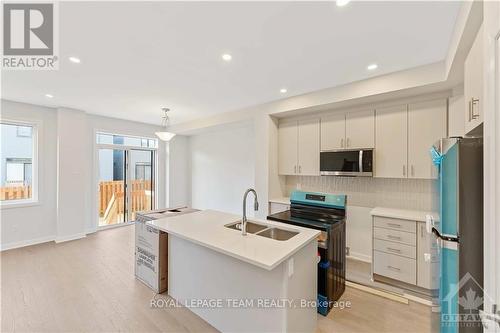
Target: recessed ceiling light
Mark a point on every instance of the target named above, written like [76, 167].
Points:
[372, 67]
[75, 60]
[227, 57]
[283, 90]
[342, 3]
[49, 95]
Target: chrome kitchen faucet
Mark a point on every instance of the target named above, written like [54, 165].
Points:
[255, 207]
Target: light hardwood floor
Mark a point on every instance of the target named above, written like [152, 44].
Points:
[89, 285]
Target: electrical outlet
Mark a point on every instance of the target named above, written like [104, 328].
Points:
[347, 250]
[299, 186]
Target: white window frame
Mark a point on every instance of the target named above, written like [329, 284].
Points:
[34, 200]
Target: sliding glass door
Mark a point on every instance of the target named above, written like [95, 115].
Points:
[112, 175]
[126, 179]
[141, 187]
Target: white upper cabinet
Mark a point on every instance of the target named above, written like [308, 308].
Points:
[426, 125]
[401, 137]
[350, 130]
[391, 139]
[360, 129]
[473, 84]
[299, 147]
[287, 148]
[309, 147]
[333, 131]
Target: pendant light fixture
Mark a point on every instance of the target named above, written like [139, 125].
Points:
[165, 135]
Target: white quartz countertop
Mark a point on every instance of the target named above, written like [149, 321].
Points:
[207, 228]
[413, 215]
[281, 200]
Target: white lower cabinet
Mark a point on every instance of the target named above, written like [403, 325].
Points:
[427, 260]
[395, 267]
[403, 251]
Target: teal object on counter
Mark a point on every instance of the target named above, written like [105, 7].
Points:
[318, 199]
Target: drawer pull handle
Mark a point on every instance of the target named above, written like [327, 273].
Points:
[394, 250]
[394, 225]
[393, 237]
[394, 268]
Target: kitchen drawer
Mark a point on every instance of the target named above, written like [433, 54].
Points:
[395, 248]
[395, 236]
[395, 267]
[396, 224]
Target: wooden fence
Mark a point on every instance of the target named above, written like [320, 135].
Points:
[15, 192]
[111, 196]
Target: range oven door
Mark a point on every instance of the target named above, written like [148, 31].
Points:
[347, 163]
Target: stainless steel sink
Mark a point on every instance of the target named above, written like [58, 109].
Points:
[277, 234]
[252, 227]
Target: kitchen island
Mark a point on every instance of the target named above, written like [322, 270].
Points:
[237, 283]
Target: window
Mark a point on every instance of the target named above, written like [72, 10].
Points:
[18, 171]
[131, 141]
[16, 162]
[143, 170]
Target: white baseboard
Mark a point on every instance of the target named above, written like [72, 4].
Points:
[386, 294]
[70, 237]
[15, 245]
[360, 257]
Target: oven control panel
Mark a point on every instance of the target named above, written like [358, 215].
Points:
[318, 199]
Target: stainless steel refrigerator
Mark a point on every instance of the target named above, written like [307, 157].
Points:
[460, 233]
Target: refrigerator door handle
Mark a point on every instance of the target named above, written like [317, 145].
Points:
[447, 238]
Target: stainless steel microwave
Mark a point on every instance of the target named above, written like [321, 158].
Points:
[344, 162]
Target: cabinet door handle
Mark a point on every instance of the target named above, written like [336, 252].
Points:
[394, 250]
[393, 237]
[347, 142]
[422, 231]
[394, 268]
[341, 143]
[404, 170]
[300, 168]
[473, 101]
[395, 225]
[294, 169]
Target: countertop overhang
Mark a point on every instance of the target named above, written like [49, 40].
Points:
[404, 214]
[207, 228]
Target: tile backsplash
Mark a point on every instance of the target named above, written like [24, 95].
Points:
[416, 194]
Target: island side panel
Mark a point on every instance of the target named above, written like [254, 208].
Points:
[198, 273]
[302, 285]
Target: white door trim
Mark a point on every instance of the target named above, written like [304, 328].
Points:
[491, 97]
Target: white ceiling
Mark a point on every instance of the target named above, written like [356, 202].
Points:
[137, 57]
